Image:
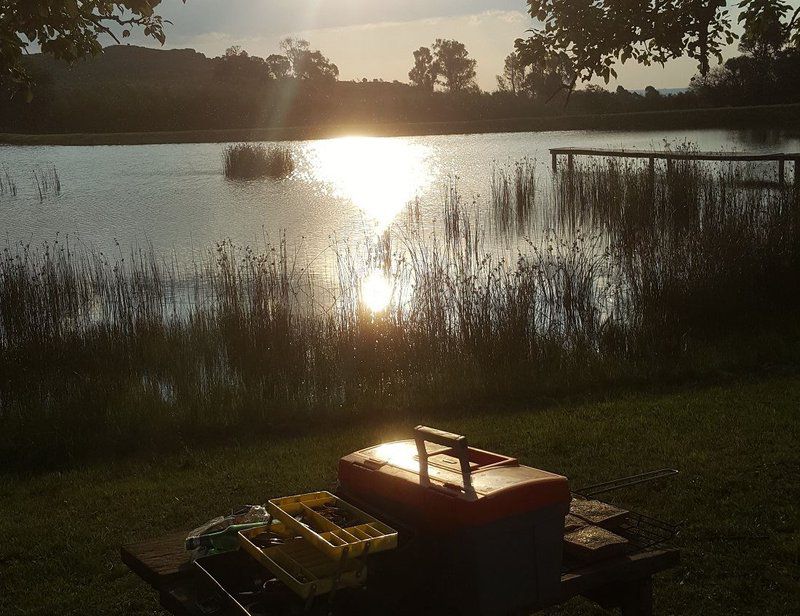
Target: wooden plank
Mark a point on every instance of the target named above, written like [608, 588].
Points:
[592, 543]
[672, 155]
[623, 569]
[159, 561]
[597, 512]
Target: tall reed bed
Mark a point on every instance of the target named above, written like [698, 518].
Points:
[248, 161]
[97, 355]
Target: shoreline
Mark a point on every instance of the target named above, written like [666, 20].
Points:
[762, 116]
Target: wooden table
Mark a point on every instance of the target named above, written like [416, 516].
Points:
[623, 582]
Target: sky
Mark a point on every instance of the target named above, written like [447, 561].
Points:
[376, 38]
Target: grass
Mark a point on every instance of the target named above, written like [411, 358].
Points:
[647, 280]
[735, 445]
[759, 116]
[248, 161]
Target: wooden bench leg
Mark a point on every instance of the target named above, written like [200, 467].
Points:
[637, 600]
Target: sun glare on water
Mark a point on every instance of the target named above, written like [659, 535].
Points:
[376, 291]
[380, 176]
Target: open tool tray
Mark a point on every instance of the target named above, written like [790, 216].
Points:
[237, 580]
[333, 526]
[298, 564]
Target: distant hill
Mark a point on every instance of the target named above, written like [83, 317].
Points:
[125, 64]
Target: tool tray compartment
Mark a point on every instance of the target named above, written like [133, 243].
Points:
[332, 526]
[236, 579]
[298, 564]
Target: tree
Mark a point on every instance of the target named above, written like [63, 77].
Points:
[69, 29]
[294, 49]
[237, 66]
[533, 81]
[513, 76]
[278, 66]
[422, 75]
[764, 34]
[650, 93]
[307, 64]
[235, 52]
[598, 34]
[452, 65]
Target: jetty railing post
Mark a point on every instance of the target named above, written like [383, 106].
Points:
[669, 166]
[569, 163]
[652, 163]
[555, 161]
[781, 171]
[796, 173]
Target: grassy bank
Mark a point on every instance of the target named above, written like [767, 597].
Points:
[763, 116]
[735, 445]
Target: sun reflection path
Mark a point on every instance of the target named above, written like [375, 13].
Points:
[379, 175]
[376, 291]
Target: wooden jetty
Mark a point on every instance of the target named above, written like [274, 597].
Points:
[669, 156]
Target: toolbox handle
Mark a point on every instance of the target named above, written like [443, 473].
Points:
[447, 439]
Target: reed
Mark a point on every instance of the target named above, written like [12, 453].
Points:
[247, 161]
[100, 356]
[46, 181]
[514, 195]
[8, 185]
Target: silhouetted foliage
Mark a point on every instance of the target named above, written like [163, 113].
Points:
[307, 64]
[422, 74]
[453, 67]
[651, 93]
[69, 30]
[595, 35]
[135, 89]
[237, 66]
[513, 75]
[533, 81]
[752, 79]
[278, 66]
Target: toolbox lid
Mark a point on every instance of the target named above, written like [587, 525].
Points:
[464, 484]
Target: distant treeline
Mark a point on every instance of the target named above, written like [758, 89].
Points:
[133, 89]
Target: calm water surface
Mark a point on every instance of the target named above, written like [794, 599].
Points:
[175, 198]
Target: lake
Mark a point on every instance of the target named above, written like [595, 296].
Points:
[175, 198]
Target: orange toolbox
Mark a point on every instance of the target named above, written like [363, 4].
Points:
[487, 530]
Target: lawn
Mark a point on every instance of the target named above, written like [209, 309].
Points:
[736, 446]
